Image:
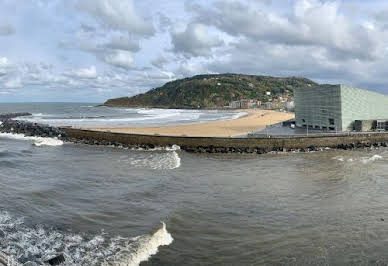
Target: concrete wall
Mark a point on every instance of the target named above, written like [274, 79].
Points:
[359, 104]
[314, 106]
[259, 145]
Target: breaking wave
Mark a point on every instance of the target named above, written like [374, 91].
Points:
[38, 141]
[128, 117]
[371, 159]
[34, 245]
[143, 247]
[364, 160]
[156, 160]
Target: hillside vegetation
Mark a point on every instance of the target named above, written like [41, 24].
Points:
[211, 91]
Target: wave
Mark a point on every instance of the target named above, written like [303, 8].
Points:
[32, 245]
[371, 159]
[364, 160]
[158, 161]
[38, 141]
[143, 247]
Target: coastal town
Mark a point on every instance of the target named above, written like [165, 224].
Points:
[283, 102]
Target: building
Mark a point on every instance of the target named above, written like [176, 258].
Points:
[243, 104]
[337, 107]
[235, 105]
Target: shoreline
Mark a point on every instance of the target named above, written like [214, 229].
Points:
[254, 120]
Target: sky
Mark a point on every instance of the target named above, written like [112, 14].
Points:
[93, 50]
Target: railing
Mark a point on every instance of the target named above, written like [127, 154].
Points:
[315, 135]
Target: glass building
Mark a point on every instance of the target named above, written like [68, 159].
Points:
[337, 107]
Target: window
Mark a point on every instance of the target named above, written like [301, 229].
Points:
[332, 128]
[331, 121]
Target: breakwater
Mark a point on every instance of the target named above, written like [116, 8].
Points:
[257, 145]
[9, 125]
[230, 145]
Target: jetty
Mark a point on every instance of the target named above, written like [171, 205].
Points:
[256, 144]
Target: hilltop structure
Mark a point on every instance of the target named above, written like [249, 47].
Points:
[340, 108]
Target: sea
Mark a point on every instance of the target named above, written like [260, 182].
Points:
[112, 206]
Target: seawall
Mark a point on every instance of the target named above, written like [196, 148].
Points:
[230, 145]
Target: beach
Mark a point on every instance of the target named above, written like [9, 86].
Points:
[254, 120]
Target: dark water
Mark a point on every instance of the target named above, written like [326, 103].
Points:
[104, 206]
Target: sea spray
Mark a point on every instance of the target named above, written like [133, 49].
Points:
[167, 160]
[38, 141]
[371, 159]
[33, 245]
[142, 248]
[364, 160]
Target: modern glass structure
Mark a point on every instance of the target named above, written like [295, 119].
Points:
[337, 107]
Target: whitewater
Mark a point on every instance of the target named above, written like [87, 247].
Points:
[37, 141]
[34, 245]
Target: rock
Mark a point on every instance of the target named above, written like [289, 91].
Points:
[57, 260]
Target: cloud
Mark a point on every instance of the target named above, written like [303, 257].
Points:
[5, 66]
[118, 15]
[195, 40]
[312, 23]
[6, 29]
[83, 73]
[120, 58]
[14, 83]
[159, 62]
[122, 42]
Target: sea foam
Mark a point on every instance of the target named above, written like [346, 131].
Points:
[156, 160]
[36, 244]
[143, 247]
[371, 159]
[364, 160]
[38, 141]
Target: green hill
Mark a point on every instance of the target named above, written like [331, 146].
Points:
[211, 91]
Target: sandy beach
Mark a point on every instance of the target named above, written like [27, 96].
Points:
[253, 121]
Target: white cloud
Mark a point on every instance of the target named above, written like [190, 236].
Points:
[312, 23]
[83, 73]
[5, 66]
[122, 42]
[118, 15]
[195, 40]
[13, 83]
[120, 58]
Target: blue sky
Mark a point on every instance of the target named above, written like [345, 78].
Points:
[92, 50]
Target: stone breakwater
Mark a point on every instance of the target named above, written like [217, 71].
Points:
[13, 115]
[195, 144]
[230, 145]
[8, 125]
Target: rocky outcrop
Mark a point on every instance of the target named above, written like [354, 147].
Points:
[13, 115]
[8, 125]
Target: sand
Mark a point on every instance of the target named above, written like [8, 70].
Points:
[254, 120]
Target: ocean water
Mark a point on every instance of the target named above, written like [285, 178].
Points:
[111, 206]
[90, 114]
